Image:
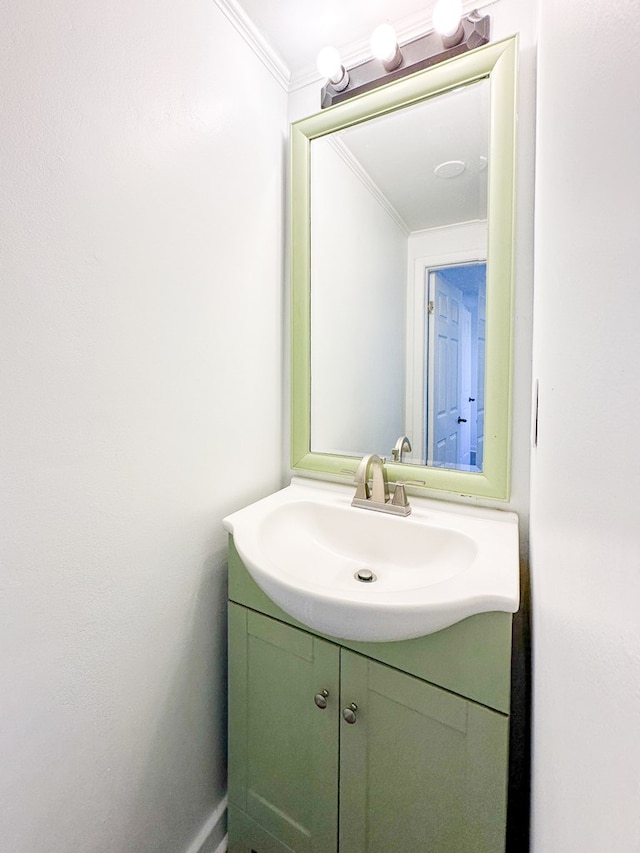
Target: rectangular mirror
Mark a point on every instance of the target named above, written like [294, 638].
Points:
[402, 248]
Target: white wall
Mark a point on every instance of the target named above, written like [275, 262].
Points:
[140, 378]
[585, 541]
[358, 299]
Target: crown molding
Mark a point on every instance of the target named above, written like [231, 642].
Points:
[256, 41]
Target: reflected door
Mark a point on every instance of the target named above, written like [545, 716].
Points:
[443, 393]
[456, 298]
[464, 431]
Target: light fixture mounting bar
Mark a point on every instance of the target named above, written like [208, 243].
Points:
[417, 54]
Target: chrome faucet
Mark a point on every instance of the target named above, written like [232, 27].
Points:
[377, 497]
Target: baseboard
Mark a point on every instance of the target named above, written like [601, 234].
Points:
[224, 846]
[212, 837]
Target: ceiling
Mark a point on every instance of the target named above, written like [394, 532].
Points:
[298, 29]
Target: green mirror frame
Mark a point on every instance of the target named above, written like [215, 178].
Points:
[498, 63]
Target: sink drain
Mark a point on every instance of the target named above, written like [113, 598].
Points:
[365, 576]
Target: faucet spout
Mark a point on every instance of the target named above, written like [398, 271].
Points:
[402, 444]
[370, 461]
[379, 486]
[377, 497]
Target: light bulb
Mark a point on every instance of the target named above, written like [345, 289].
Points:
[446, 17]
[384, 43]
[330, 64]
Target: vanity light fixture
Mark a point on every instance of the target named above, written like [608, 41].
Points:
[384, 46]
[330, 66]
[447, 21]
[452, 35]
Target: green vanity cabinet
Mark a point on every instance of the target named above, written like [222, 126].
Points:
[420, 769]
[283, 748]
[332, 749]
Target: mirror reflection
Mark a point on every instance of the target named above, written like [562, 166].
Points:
[398, 283]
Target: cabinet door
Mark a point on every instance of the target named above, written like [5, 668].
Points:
[283, 748]
[421, 769]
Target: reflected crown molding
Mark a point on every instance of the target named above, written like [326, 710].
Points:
[370, 185]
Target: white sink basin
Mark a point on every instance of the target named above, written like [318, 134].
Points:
[304, 545]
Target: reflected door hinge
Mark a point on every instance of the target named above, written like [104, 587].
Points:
[430, 307]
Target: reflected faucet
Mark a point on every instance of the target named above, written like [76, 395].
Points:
[377, 497]
[402, 444]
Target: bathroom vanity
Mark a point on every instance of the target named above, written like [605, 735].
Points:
[364, 747]
[370, 653]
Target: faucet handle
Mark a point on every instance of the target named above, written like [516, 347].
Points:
[399, 496]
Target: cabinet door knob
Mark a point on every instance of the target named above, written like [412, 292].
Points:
[321, 699]
[349, 714]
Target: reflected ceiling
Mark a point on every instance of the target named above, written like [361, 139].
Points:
[401, 152]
